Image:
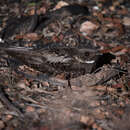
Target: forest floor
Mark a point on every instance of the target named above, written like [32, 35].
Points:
[93, 101]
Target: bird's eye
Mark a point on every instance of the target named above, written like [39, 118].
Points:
[86, 53]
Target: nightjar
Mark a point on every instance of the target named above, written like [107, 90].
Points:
[56, 60]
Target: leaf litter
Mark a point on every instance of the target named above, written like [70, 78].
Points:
[69, 99]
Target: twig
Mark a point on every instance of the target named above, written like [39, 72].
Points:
[7, 102]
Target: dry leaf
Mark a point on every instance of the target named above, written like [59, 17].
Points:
[2, 125]
[30, 109]
[88, 27]
[29, 36]
[60, 4]
[126, 21]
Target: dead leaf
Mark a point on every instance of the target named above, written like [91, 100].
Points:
[88, 27]
[60, 4]
[29, 36]
[114, 49]
[85, 119]
[126, 21]
[2, 125]
[118, 85]
[30, 109]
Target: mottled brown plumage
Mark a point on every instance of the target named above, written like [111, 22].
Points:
[56, 60]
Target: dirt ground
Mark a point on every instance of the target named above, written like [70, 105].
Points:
[85, 82]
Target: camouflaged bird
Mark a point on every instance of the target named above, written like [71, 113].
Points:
[56, 60]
